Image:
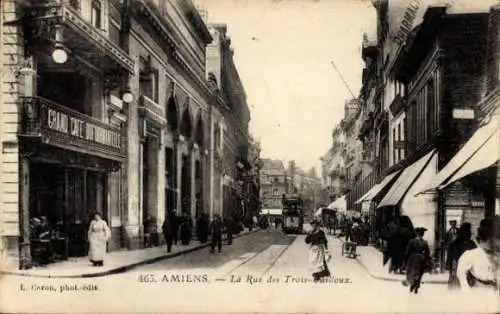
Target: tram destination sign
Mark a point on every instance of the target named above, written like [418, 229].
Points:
[81, 128]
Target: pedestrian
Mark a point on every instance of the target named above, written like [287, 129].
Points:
[216, 227]
[400, 242]
[388, 235]
[186, 229]
[202, 228]
[229, 224]
[418, 257]
[451, 235]
[479, 268]
[318, 251]
[462, 243]
[174, 223]
[99, 234]
[168, 233]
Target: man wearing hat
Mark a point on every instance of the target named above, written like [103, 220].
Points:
[462, 243]
[451, 235]
[417, 257]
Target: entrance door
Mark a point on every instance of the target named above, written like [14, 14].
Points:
[47, 192]
[96, 194]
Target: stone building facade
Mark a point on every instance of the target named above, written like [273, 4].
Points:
[235, 139]
[273, 183]
[422, 85]
[107, 106]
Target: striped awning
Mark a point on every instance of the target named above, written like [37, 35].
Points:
[377, 188]
[405, 181]
[480, 152]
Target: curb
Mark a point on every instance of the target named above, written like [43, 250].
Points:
[432, 281]
[124, 268]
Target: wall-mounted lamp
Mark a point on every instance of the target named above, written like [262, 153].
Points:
[127, 96]
[59, 55]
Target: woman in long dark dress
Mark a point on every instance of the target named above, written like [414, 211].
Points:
[401, 240]
[418, 256]
[318, 252]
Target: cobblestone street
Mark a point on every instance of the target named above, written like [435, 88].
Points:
[267, 270]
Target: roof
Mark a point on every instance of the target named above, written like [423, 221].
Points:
[271, 164]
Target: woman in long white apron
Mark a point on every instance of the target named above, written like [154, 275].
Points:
[318, 252]
[99, 235]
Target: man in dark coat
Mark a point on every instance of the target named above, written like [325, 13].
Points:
[174, 225]
[462, 243]
[417, 257]
[186, 229]
[229, 224]
[216, 227]
[168, 233]
[202, 228]
[451, 235]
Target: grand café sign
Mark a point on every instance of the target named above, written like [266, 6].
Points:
[81, 129]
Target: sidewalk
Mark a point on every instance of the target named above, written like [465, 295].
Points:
[116, 261]
[371, 260]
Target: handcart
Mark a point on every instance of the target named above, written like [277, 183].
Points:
[349, 249]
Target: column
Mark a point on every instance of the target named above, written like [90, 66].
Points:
[211, 174]
[192, 175]
[160, 214]
[28, 83]
[141, 189]
[178, 165]
[24, 245]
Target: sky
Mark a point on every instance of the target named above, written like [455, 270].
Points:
[283, 51]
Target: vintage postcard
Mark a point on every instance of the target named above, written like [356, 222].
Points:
[250, 156]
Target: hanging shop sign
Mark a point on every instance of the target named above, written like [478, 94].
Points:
[64, 123]
[58, 125]
[408, 20]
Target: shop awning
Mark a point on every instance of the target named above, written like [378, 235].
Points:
[487, 132]
[404, 182]
[321, 210]
[340, 204]
[272, 211]
[377, 188]
[485, 157]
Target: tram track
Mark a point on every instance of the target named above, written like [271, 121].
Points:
[270, 264]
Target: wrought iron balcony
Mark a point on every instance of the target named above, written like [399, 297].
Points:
[152, 111]
[80, 36]
[53, 124]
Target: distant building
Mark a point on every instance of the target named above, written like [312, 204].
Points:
[273, 184]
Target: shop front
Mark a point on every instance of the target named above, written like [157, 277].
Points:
[67, 159]
[400, 197]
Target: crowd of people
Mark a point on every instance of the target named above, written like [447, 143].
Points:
[177, 228]
[469, 263]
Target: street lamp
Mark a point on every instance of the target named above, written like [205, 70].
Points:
[127, 96]
[59, 55]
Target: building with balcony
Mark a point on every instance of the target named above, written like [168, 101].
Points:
[168, 169]
[443, 81]
[64, 118]
[334, 182]
[236, 172]
[118, 114]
